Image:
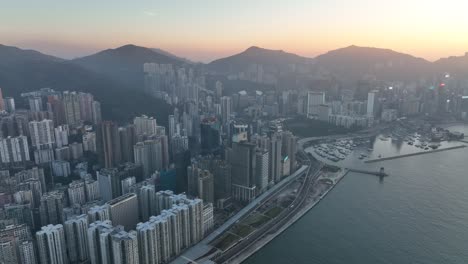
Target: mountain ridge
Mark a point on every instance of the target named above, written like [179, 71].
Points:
[172, 55]
[22, 54]
[249, 49]
[124, 64]
[454, 64]
[32, 71]
[273, 60]
[353, 63]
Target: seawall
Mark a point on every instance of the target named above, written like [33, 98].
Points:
[413, 154]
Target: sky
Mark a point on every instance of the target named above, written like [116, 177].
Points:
[204, 30]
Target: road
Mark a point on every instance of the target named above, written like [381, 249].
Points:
[198, 253]
[280, 220]
[193, 254]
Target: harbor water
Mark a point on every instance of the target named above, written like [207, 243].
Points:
[419, 214]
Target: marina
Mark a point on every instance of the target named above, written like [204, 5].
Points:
[339, 150]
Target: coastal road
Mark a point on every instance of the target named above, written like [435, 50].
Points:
[197, 253]
[280, 220]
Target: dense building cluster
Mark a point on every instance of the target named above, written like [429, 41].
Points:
[40, 135]
[79, 189]
[173, 83]
[375, 102]
[176, 224]
[75, 188]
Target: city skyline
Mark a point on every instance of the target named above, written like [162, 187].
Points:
[204, 31]
[138, 151]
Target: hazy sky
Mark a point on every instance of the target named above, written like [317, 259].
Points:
[208, 29]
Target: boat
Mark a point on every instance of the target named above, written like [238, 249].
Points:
[434, 146]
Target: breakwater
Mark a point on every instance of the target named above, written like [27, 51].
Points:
[413, 154]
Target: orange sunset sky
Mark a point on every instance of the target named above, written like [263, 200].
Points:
[204, 30]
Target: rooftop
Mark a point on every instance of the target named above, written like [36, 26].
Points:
[122, 198]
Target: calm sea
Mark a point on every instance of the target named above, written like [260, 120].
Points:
[419, 214]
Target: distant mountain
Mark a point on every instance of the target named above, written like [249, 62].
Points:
[272, 60]
[10, 56]
[115, 76]
[454, 65]
[171, 55]
[25, 70]
[124, 64]
[18, 67]
[346, 65]
[354, 63]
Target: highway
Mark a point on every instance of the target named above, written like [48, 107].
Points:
[199, 253]
[193, 254]
[280, 220]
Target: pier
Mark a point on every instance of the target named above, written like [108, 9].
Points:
[380, 173]
[413, 154]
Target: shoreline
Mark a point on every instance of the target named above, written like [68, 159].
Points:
[248, 253]
[268, 238]
[196, 254]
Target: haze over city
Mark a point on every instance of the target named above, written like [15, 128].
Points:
[207, 30]
[229, 132]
